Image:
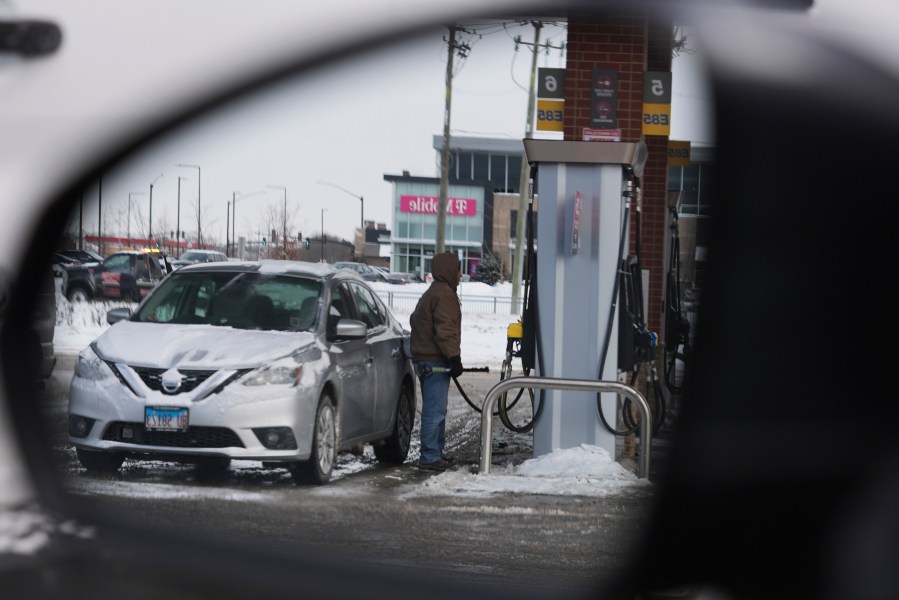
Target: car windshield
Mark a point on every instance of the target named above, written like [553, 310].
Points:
[233, 299]
[190, 255]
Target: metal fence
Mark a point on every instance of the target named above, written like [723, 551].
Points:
[406, 301]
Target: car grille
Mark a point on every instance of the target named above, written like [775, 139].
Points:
[194, 437]
[153, 378]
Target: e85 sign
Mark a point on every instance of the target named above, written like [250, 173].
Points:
[656, 103]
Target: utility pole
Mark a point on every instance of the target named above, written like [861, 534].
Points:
[151, 208]
[463, 50]
[444, 155]
[518, 258]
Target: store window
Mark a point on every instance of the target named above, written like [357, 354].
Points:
[499, 173]
[481, 168]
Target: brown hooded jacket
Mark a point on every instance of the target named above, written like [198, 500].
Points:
[436, 321]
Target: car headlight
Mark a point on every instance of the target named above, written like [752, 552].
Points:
[283, 372]
[89, 366]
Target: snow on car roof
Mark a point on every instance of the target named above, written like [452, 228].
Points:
[269, 266]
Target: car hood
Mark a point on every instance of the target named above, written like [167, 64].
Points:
[211, 347]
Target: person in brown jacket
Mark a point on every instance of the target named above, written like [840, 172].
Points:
[435, 342]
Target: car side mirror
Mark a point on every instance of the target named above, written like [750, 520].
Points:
[350, 329]
[115, 315]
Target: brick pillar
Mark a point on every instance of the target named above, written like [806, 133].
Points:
[631, 44]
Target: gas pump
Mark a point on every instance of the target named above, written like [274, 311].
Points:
[636, 344]
[584, 190]
[677, 327]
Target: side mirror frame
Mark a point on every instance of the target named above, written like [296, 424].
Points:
[350, 329]
[114, 315]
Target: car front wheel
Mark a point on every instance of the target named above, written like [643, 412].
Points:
[78, 294]
[317, 470]
[396, 447]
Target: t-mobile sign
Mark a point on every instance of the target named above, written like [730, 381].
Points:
[455, 207]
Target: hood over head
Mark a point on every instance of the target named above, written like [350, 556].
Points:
[445, 268]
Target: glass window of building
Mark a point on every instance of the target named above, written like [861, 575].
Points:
[499, 173]
[465, 169]
[481, 168]
[514, 174]
[690, 189]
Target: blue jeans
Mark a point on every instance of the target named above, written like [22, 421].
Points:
[434, 389]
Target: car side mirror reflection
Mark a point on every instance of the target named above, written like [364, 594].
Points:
[115, 315]
[351, 329]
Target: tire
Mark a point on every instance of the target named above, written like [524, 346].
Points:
[317, 470]
[396, 447]
[78, 294]
[104, 463]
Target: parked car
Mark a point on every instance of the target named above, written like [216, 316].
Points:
[278, 361]
[63, 259]
[399, 278]
[367, 272]
[192, 257]
[128, 275]
[81, 256]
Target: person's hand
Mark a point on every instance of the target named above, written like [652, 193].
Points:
[455, 366]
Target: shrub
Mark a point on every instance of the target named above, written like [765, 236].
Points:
[489, 270]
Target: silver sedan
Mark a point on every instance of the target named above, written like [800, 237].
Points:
[279, 361]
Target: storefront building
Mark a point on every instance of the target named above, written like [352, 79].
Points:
[469, 222]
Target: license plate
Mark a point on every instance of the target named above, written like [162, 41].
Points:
[162, 418]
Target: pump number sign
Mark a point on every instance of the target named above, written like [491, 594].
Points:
[656, 103]
[550, 115]
[550, 99]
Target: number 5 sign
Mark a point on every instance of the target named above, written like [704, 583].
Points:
[656, 103]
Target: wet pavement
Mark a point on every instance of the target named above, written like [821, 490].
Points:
[514, 544]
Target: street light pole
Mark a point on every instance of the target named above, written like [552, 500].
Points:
[130, 194]
[234, 196]
[284, 220]
[361, 207]
[178, 218]
[199, 221]
[323, 235]
[151, 207]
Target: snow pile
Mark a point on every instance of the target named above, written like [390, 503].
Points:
[583, 471]
[27, 530]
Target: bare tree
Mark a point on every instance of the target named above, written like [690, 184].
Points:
[274, 223]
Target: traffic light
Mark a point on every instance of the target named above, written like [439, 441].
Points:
[307, 243]
[264, 243]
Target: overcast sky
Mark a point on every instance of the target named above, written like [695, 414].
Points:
[346, 127]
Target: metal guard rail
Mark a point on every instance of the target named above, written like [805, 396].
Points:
[555, 383]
